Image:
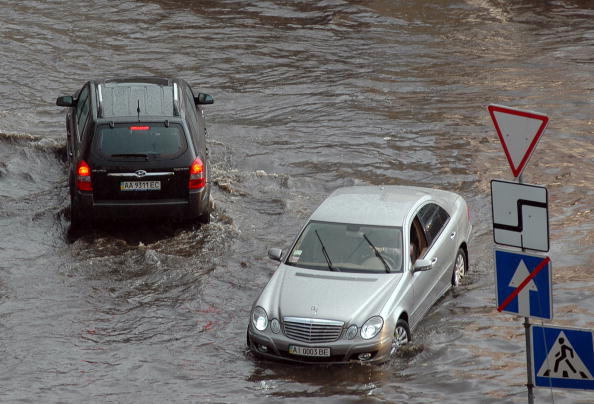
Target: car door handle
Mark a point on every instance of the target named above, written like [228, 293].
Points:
[434, 260]
[452, 235]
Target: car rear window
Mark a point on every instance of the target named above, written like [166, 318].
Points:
[140, 139]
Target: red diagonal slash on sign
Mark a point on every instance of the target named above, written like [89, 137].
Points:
[515, 293]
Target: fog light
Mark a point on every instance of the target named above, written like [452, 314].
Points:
[264, 348]
[365, 356]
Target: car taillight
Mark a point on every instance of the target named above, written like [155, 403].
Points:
[83, 177]
[144, 127]
[197, 177]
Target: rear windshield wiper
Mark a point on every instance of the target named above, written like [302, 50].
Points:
[326, 256]
[377, 254]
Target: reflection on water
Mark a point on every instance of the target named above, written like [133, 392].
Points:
[309, 97]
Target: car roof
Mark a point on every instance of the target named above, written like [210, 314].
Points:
[387, 205]
[152, 96]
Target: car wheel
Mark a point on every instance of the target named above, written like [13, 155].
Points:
[460, 267]
[204, 218]
[401, 336]
[75, 217]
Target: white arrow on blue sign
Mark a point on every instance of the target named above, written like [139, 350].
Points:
[523, 284]
[562, 357]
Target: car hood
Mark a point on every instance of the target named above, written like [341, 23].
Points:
[348, 297]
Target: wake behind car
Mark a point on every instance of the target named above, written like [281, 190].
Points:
[365, 269]
[137, 149]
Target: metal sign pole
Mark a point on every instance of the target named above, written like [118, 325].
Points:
[529, 381]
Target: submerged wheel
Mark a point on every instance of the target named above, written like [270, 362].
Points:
[204, 218]
[460, 267]
[401, 336]
[75, 216]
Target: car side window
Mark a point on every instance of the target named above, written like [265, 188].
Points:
[190, 107]
[82, 110]
[418, 241]
[433, 219]
[192, 116]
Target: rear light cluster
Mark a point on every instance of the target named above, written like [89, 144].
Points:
[83, 177]
[197, 175]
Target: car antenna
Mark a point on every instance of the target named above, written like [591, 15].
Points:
[138, 110]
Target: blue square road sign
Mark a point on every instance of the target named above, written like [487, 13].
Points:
[562, 357]
[523, 284]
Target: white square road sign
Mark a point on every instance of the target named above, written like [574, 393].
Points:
[520, 215]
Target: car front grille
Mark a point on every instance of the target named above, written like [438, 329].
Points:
[312, 329]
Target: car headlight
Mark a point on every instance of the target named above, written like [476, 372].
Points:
[372, 327]
[259, 318]
[351, 332]
[275, 326]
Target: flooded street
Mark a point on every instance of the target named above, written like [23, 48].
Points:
[309, 96]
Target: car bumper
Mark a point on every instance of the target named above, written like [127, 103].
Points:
[276, 346]
[196, 205]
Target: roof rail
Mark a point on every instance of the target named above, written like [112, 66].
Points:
[175, 100]
[100, 107]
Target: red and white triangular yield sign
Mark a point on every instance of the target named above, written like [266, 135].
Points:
[519, 132]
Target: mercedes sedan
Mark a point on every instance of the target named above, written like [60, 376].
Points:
[366, 267]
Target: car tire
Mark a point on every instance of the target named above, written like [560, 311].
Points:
[401, 336]
[204, 218]
[75, 216]
[460, 267]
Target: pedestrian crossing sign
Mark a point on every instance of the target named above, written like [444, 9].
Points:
[562, 357]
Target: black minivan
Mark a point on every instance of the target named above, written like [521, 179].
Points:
[137, 149]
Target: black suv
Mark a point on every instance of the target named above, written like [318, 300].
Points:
[137, 148]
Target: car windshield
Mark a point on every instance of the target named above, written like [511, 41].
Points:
[348, 248]
[140, 140]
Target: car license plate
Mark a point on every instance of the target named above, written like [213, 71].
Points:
[140, 186]
[307, 351]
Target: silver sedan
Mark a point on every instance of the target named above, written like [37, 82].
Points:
[366, 267]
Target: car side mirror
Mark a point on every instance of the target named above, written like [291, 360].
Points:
[66, 101]
[275, 254]
[203, 99]
[422, 264]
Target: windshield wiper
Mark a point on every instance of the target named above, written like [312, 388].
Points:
[330, 266]
[377, 254]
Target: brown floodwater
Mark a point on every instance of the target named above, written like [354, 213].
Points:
[309, 96]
